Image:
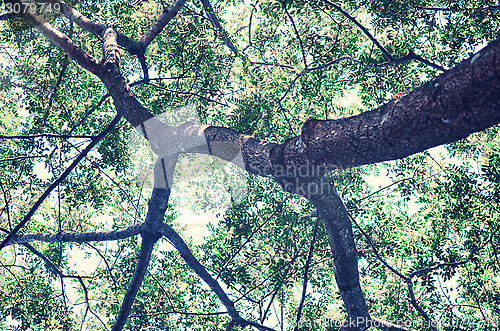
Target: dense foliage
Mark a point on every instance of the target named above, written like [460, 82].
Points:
[438, 210]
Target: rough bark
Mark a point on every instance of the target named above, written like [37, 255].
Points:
[461, 101]
[450, 107]
[335, 217]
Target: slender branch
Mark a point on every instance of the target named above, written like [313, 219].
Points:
[362, 28]
[46, 260]
[216, 23]
[409, 57]
[87, 301]
[167, 15]
[47, 135]
[108, 268]
[287, 265]
[419, 309]
[272, 64]
[296, 33]
[22, 158]
[78, 237]
[145, 69]
[428, 62]
[455, 264]
[198, 268]
[306, 276]
[492, 7]
[180, 313]
[56, 86]
[59, 180]
[278, 208]
[375, 250]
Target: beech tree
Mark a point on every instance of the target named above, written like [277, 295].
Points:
[310, 99]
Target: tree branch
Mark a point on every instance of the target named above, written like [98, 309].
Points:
[306, 276]
[362, 28]
[148, 241]
[417, 307]
[98, 29]
[198, 268]
[8, 16]
[161, 22]
[59, 180]
[216, 23]
[231, 258]
[375, 250]
[48, 135]
[335, 217]
[110, 48]
[296, 33]
[409, 57]
[78, 237]
[61, 40]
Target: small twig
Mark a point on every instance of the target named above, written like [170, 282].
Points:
[296, 33]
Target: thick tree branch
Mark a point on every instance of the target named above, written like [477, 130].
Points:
[440, 111]
[155, 226]
[335, 217]
[110, 48]
[98, 29]
[450, 107]
[461, 101]
[157, 207]
[148, 241]
[64, 42]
